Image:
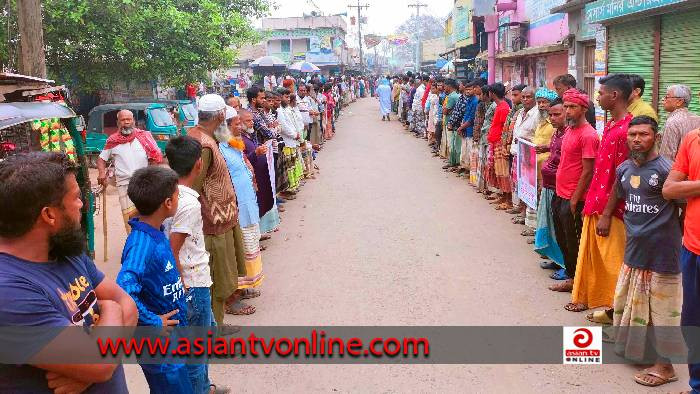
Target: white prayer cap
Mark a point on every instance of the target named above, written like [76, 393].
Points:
[211, 103]
[230, 112]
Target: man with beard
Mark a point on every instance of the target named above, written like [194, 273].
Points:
[42, 255]
[131, 149]
[578, 152]
[525, 124]
[648, 290]
[600, 258]
[219, 207]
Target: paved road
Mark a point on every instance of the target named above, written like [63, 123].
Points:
[385, 237]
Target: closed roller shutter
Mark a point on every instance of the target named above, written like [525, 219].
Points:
[680, 55]
[631, 51]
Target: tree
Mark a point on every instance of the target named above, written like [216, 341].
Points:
[424, 27]
[90, 44]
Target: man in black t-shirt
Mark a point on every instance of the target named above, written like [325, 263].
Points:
[648, 291]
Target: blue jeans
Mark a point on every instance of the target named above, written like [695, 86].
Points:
[690, 314]
[199, 314]
[167, 379]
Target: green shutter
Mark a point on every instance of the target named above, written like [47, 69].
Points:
[680, 55]
[631, 51]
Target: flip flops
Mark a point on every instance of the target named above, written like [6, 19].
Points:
[559, 275]
[549, 265]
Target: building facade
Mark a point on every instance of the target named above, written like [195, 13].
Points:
[317, 39]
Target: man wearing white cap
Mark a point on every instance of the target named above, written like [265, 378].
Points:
[219, 207]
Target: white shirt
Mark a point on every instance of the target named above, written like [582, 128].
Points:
[288, 127]
[127, 159]
[194, 257]
[525, 124]
[304, 105]
[418, 97]
[266, 83]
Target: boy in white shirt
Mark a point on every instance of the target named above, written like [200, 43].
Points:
[187, 241]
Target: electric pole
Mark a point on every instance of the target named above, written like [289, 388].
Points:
[31, 42]
[417, 6]
[359, 29]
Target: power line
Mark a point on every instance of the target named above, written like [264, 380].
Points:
[359, 28]
[417, 5]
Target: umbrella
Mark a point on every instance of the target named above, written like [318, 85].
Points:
[268, 61]
[448, 67]
[305, 67]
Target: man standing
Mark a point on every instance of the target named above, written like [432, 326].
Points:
[636, 105]
[417, 125]
[498, 179]
[578, 152]
[600, 258]
[680, 121]
[466, 129]
[507, 139]
[448, 139]
[219, 207]
[384, 96]
[455, 122]
[564, 82]
[439, 130]
[684, 183]
[48, 280]
[525, 125]
[648, 290]
[131, 149]
[305, 107]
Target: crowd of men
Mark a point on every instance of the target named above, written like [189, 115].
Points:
[193, 252]
[617, 218]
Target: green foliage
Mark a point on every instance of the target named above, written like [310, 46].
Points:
[93, 43]
[9, 35]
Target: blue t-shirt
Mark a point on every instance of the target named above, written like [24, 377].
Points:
[149, 275]
[55, 294]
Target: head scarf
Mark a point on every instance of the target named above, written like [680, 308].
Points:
[546, 94]
[574, 96]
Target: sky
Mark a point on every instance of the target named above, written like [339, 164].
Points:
[383, 16]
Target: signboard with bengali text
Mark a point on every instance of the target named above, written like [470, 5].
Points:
[602, 10]
[527, 173]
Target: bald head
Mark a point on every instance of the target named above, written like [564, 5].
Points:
[125, 121]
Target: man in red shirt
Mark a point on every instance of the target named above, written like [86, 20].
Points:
[600, 256]
[578, 152]
[500, 115]
[684, 183]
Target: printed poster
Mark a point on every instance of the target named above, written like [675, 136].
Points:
[527, 173]
[270, 164]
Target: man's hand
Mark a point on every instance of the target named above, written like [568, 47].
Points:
[165, 318]
[102, 180]
[603, 226]
[572, 206]
[63, 385]
[261, 150]
[109, 308]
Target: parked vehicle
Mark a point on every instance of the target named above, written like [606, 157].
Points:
[102, 122]
[186, 113]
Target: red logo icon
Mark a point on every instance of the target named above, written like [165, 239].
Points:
[583, 338]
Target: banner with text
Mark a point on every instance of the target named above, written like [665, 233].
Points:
[527, 173]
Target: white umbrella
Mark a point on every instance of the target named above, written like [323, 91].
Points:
[268, 61]
[305, 67]
[448, 67]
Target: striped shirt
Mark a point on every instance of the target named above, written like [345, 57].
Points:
[678, 124]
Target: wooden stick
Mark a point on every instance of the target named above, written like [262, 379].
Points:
[104, 222]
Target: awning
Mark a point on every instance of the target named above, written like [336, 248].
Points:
[533, 51]
[569, 6]
[440, 62]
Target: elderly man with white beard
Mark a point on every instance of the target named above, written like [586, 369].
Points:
[219, 206]
[131, 149]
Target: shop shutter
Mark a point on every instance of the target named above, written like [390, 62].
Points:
[631, 51]
[680, 55]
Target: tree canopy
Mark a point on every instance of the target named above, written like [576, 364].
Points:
[421, 28]
[92, 43]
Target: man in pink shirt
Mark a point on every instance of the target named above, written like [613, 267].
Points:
[603, 238]
[574, 174]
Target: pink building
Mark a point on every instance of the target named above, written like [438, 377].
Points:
[531, 43]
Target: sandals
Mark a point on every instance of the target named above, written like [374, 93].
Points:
[559, 275]
[528, 232]
[239, 308]
[549, 265]
[571, 307]
[599, 317]
[518, 220]
[502, 207]
[250, 293]
[658, 378]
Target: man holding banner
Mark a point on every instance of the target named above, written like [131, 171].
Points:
[578, 153]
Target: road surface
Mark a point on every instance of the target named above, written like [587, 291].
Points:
[385, 237]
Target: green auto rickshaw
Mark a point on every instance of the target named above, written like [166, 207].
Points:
[49, 127]
[186, 113]
[102, 122]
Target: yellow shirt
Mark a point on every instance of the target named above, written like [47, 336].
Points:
[640, 107]
[543, 136]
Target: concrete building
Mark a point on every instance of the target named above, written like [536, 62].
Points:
[430, 53]
[317, 39]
